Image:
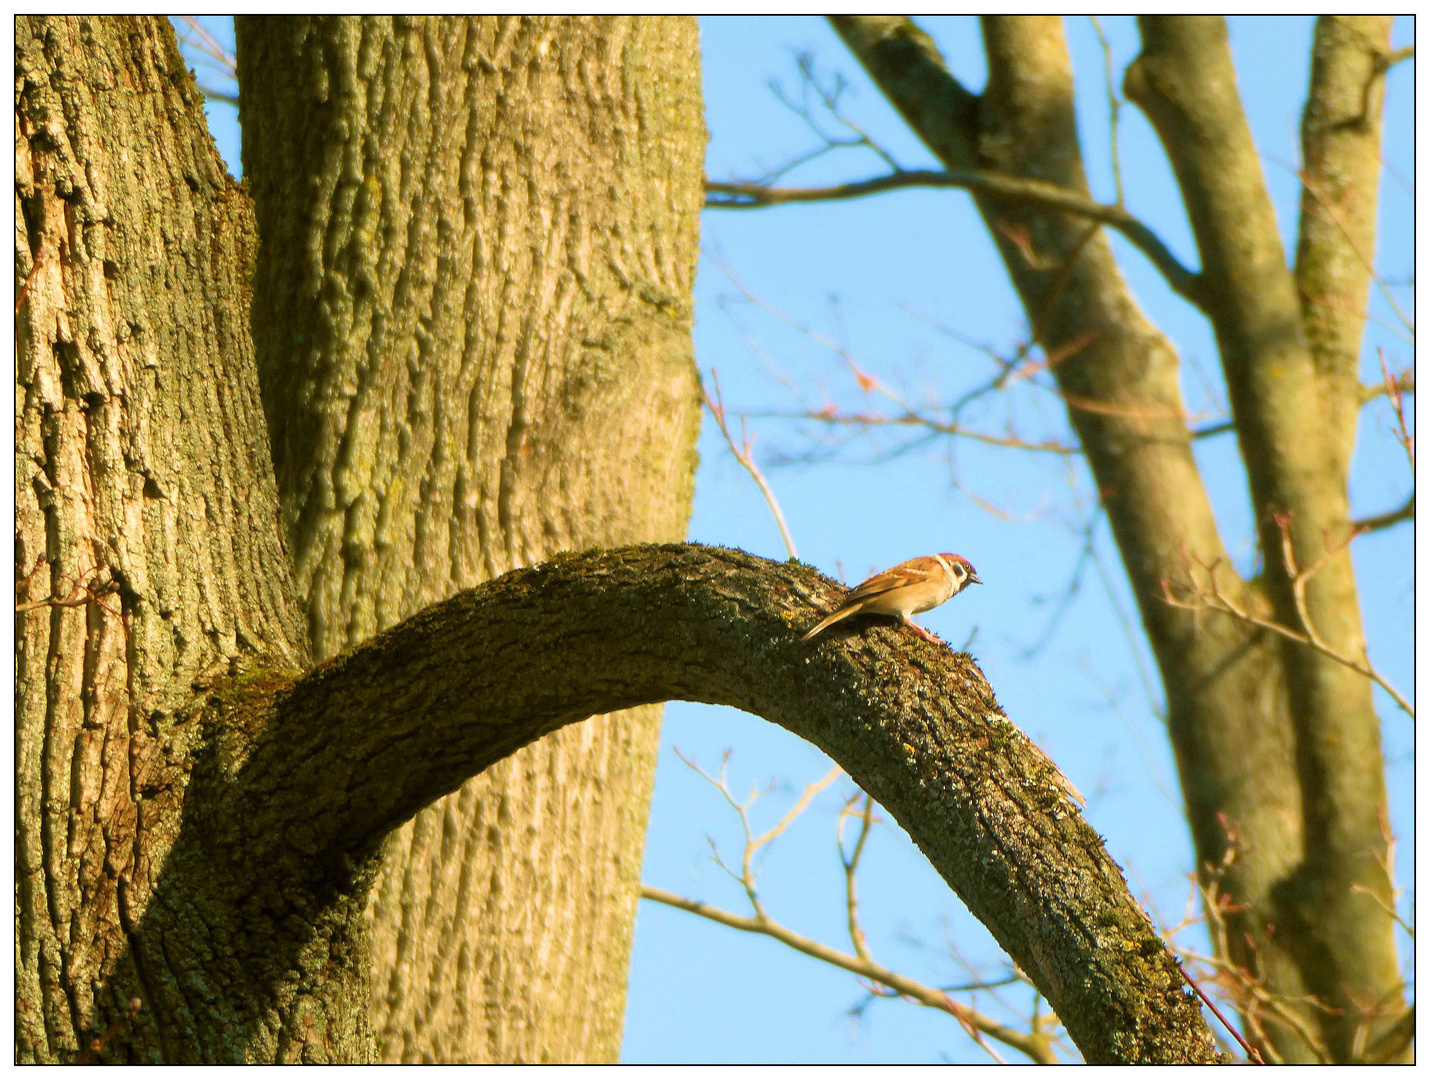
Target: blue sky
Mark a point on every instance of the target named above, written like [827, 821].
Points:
[886, 277]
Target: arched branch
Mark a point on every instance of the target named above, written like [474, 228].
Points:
[362, 742]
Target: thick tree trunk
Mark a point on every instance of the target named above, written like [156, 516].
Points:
[148, 544]
[199, 824]
[472, 319]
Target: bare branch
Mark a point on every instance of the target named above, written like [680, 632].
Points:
[1114, 104]
[89, 588]
[869, 420]
[1214, 429]
[1036, 193]
[1386, 520]
[1210, 597]
[1404, 383]
[1035, 1046]
[851, 870]
[743, 455]
[1395, 56]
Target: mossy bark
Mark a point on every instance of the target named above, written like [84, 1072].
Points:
[359, 744]
[1295, 409]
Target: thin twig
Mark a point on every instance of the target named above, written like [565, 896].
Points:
[1251, 1052]
[1213, 599]
[743, 455]
[1034, 1046]
[211, 50]
[81, 593]
[1114, 103]
[1397, 403]
[851, 870]
[912, 419]
[1214, 429]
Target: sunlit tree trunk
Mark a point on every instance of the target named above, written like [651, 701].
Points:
[147, 540]
[472, 319]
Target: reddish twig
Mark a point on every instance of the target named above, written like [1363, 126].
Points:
[1396, 391]
[97, 1045]
[1252, 1054]
[80, 594]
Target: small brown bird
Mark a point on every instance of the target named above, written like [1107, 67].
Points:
[905, 590]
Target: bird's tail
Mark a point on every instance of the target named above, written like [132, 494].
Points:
[830, 620]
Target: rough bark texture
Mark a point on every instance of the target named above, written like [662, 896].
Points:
[472, 318]
[199, 826]
[365, 739]
[145, 505]
[1277, 747]
[1295, 411]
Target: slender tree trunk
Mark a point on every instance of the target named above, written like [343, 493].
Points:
[472, 319]
[1295, 410]
[1277, 747]
[147, 546]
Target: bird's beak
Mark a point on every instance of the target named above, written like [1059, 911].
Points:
[974, 579]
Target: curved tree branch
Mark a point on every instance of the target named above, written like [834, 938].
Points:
[345, 754]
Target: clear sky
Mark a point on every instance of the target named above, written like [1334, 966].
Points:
[897, 280]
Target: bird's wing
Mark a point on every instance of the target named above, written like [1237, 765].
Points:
[912, 572]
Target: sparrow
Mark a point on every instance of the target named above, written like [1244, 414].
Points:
[905, 590]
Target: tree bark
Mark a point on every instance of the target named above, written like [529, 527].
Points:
[147, 549]
[1295, 412]
[1227, 711]
[344, 754]
[472, 319]
[199, 825]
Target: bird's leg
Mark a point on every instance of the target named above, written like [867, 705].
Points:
[916, 628]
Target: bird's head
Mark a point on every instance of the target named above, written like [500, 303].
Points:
[962, 570]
